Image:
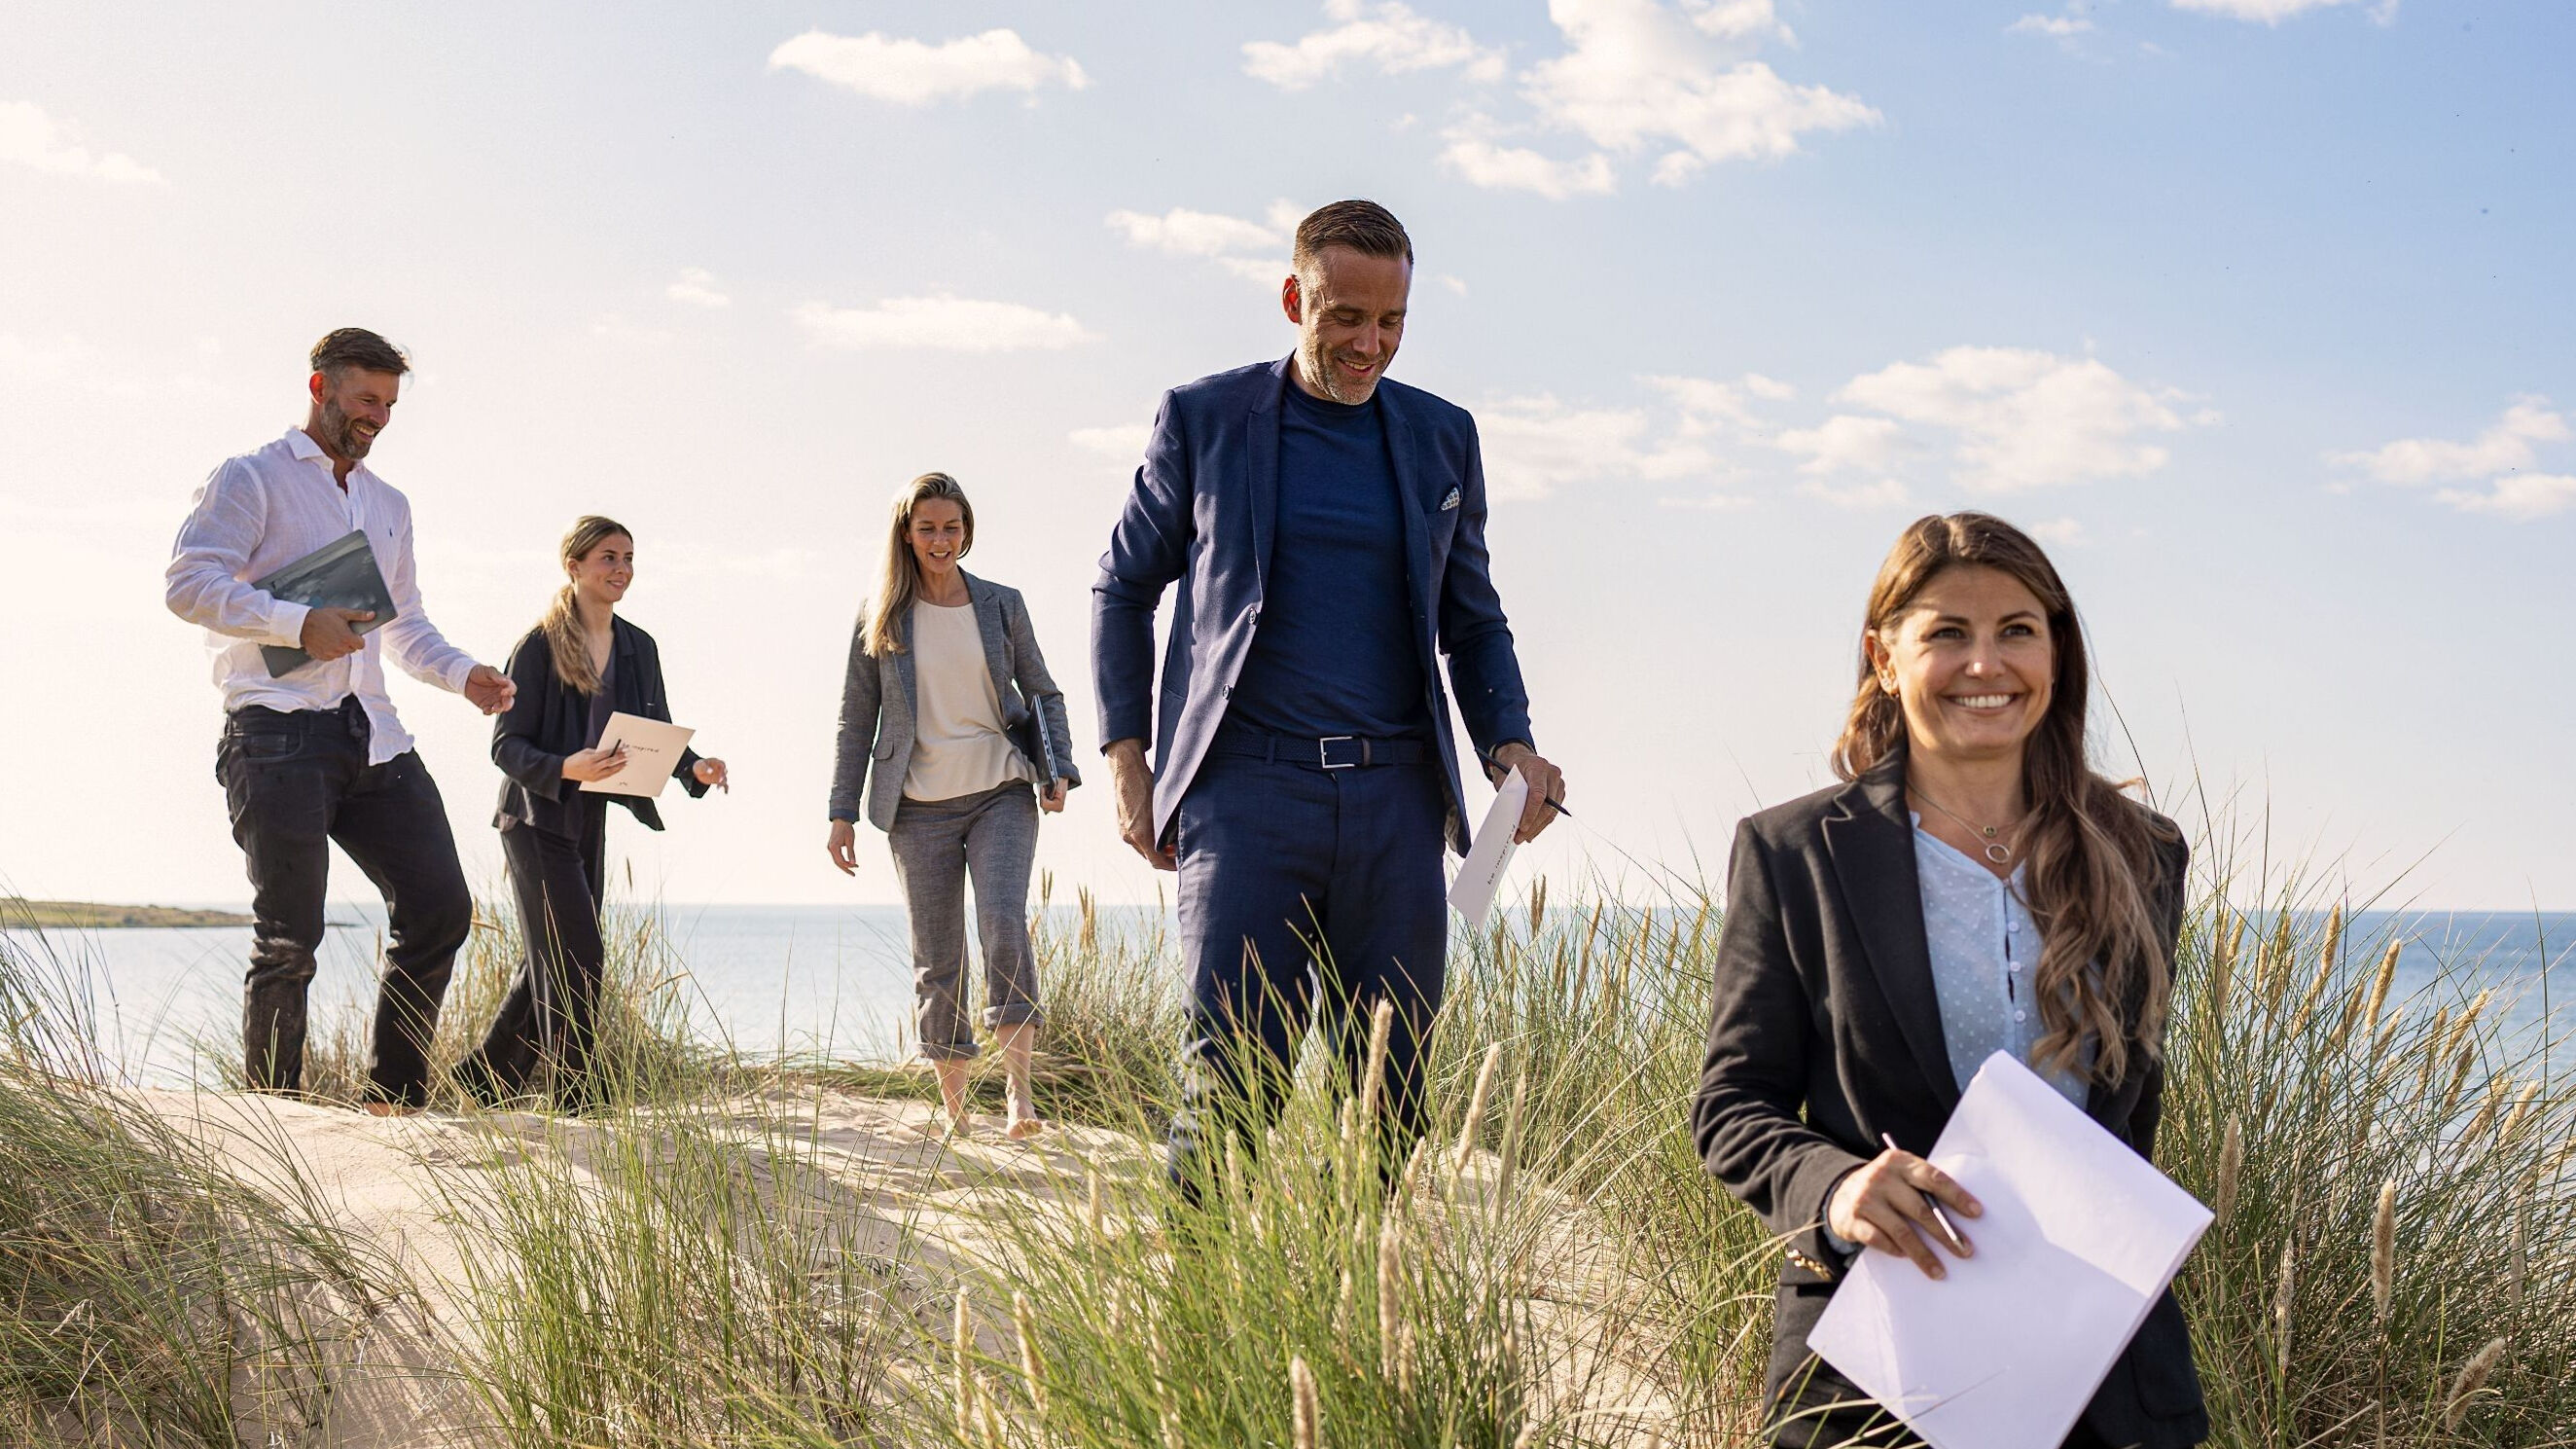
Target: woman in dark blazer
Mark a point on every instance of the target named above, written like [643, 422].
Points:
[579, 665]
[1975, 886]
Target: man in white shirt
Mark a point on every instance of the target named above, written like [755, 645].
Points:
[317, 755]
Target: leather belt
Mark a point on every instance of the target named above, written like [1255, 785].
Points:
[1332, 752]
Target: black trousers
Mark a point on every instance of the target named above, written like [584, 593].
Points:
[295, 782]
[1823, 1408]
[551, 1016]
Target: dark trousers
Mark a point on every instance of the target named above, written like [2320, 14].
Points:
[551, 1016]
[295, 783]
[1303, 887]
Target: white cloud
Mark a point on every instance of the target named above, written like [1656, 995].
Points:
[2024, 418]
[1885, 493]
[29, 137]
[2273, 12]
[2517, 495]
[1706, 502]
[911, 73]
[1638, 76]
[1187, 233]
[1707, 404]
[1387, 35]
[1479, 161]
[2058, 532]
[1126, 440]
[942, 323]
[697, 287]
[1457, 285]
[1843, 443]
[2502, 457]
[2502, 448]
[1255, 251]
[1535, 445]
[2056, 27]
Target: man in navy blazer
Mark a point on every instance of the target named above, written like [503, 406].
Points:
[1327, 529]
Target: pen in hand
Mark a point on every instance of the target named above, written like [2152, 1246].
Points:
[1958, 1245]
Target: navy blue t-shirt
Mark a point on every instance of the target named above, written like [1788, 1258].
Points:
[1334, 652]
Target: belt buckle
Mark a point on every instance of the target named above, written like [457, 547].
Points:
[1324, 752]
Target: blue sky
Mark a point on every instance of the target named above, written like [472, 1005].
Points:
[2256, 309]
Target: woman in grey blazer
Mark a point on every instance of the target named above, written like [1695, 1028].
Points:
[948, 703]
[1975, 887]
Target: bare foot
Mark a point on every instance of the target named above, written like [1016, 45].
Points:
[389, 1109]
[1025, 1124]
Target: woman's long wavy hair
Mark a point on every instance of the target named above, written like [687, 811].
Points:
[562, 622]
[2090, 850]
[902, 573]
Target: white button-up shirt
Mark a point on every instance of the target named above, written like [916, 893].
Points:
[264, 510]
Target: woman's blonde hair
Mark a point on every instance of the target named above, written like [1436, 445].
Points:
[562, 622]
[2091, 851]
[902, 572]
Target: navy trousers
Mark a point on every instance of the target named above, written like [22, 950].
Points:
[1304, 890]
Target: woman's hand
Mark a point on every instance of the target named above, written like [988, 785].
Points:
[712, 772]
[594, 764]
[1887, 1204]
[844, 846]
[1051, 799]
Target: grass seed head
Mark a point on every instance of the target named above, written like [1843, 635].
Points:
[2231, 1162]
[1477, 1101]
[2284, 1298]
[1024, 1317]
[961, 1343]
[1390, 1296]
[2473, 1378]
[2383, 1253]
[1304, 1414]
[1373, 1079]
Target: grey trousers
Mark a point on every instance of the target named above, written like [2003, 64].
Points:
[938, 845]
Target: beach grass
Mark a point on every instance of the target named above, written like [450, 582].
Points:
[150, 1294]
[2393, 1260]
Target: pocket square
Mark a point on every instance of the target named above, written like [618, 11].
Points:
[1449, 502]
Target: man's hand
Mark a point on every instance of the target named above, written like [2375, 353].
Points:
[587, 765]
[844, 846]
[327, 634]
[490, 690]
[1135, 786]
[1051, 799]
[712, 772]
[1545, 784]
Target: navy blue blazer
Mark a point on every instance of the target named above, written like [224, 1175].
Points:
[1205, 513]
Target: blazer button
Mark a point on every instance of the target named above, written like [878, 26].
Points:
[1253, 618]
[1226, 693]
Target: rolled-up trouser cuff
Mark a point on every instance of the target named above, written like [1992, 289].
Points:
[950, 1051]
[1012, 1013]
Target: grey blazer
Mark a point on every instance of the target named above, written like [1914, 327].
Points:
[878, 700]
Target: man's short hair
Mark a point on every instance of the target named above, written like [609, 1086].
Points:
[1363, 226]
[355, 347]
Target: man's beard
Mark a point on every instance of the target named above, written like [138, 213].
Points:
[343, 432]
[1319, 371]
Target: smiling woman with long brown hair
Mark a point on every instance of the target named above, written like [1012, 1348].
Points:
[1975, 886]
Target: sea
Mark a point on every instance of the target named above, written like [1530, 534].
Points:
[837, 980]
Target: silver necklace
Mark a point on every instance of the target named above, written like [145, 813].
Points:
[1998, 849]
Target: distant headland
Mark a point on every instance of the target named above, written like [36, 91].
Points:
[21, 913]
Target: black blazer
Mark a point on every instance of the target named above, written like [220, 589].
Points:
[1825, 1031]
[550, 720]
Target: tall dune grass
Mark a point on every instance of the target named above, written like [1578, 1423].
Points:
[148, 1295]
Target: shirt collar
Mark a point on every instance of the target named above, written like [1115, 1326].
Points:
[301, 444]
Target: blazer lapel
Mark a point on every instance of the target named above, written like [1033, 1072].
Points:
[903, 666]
[1872, 846]
[1417, 536]
[1261, 439]
[988, 626]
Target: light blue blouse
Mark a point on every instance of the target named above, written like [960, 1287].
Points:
[1985, 948]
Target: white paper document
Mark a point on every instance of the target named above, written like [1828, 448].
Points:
[2079, 1236]
[652, 753]
[1481, 873]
